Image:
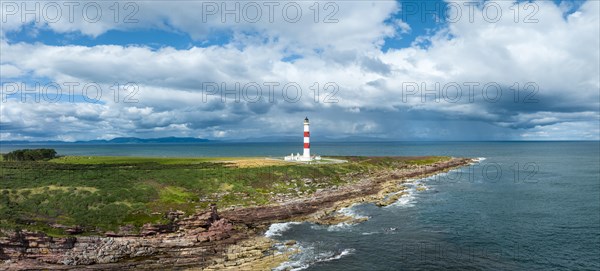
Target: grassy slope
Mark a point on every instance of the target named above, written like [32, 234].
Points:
[94, 160]
[102, 193]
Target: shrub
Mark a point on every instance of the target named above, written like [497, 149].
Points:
[30, 155]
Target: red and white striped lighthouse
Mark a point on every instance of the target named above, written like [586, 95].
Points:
[306, 154]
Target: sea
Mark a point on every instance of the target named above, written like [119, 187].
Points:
[522, 206]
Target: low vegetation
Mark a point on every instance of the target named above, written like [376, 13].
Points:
[30, 155]
[102, 193]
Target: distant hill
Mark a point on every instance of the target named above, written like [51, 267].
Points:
[116, 140]
[269, 139]
[355, 139]
[157, 140]
[136, 140]
[313, 139]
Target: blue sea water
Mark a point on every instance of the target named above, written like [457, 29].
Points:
[526, 206]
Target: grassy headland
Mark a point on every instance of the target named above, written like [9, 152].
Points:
[102, 193]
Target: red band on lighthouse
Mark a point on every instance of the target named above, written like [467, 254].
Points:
[306, 153]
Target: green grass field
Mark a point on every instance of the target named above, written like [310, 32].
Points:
[103, 193]
[94, 160]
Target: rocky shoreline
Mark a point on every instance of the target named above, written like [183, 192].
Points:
[230, 239]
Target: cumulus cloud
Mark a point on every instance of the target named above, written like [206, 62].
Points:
[547, 71]
[301, 25]
[557, 55]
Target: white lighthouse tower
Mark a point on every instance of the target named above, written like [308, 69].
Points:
[305, 157]
[306, 153]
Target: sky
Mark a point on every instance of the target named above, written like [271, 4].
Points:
[394, 70]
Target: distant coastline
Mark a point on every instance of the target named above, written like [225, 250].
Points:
[116, 140]
[173, 139]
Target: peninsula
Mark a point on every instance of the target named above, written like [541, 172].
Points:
[125, 213]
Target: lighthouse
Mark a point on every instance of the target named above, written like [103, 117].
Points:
[306, 153]
[305, 157]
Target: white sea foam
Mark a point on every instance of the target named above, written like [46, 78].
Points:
[340, 226]
[423, 186]
[276, 229]
[318, 226]
[335, 227]
[351, 212]
[344, 252]
[407, 200]
[309, 256]
[480, 159]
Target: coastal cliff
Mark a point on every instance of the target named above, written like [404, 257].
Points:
[211, 239]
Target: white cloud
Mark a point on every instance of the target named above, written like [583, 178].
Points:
[558, 54]
[10, 71]
[339, 24]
